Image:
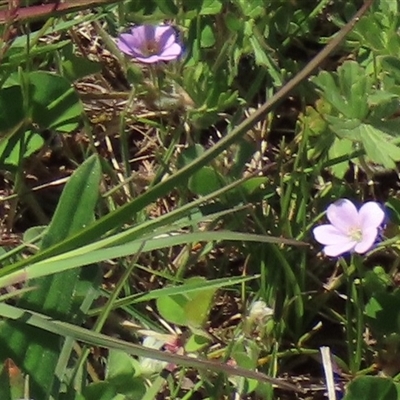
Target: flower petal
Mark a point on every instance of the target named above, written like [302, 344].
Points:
[149, 60]
[335, 250]
[343, 215]
[371, 215]
[171, 52]
[128, 44]
[328, 234]
[369, 236]
[143, 33]
[165, 36]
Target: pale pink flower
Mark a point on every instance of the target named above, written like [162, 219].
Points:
[350, 230]
[150, 43]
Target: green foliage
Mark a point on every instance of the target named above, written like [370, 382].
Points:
[119, 381]
[356, 106]
[41, 101]
[193, 187]
[36, 351]
[370, 387]
[188, 309]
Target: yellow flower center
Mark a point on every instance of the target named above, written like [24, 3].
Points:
[150, 48]
[355, 234]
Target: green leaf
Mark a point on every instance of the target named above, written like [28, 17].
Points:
[210, 7]
[196, 343]
[11, 108]
[120, 365]
[371, 388]
[187, 309]
[75, 67]
[347, 90]
[383, 312]
[205, 181]
[340, 148]
[260, 54]
[245, 386]
[391, 65]
[207, 37]
[32, 233]
[232, 22]
[55, 104]
[198, 306]
[10, 148]
[34, 351]
[172, 308]
[77, 202]
[355, 87]
[189, 154]
[377, 143]
[100, 391]
[378, 146]
[326, 82]
[168, 7]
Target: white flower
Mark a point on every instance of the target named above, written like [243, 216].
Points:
[350, 229]
[259, 312]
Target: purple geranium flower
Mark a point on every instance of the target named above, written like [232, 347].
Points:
[150, 44]
[350, 229]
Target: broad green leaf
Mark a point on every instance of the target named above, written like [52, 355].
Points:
[75, 209]
[391, 65]
[55, 104]
[376, 142]
[326, 83]
[383, 312]
[172, 308]
[189, 308]
[259, 53]
[196, 343]
[254, 184]
[207, 38]
[102, 390]
[340, 148]
[189, 154]
[205, 181]
[371, 388]
[10, 148]
[37, 352]
[11, 109]
[354, 86]
[120, 365]
[75, 67]
[34, 233]
[168, 7]
[378, 146]
[210, 7]
[233, 22]
[347, 90]
[198, 306]
[245, 386]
